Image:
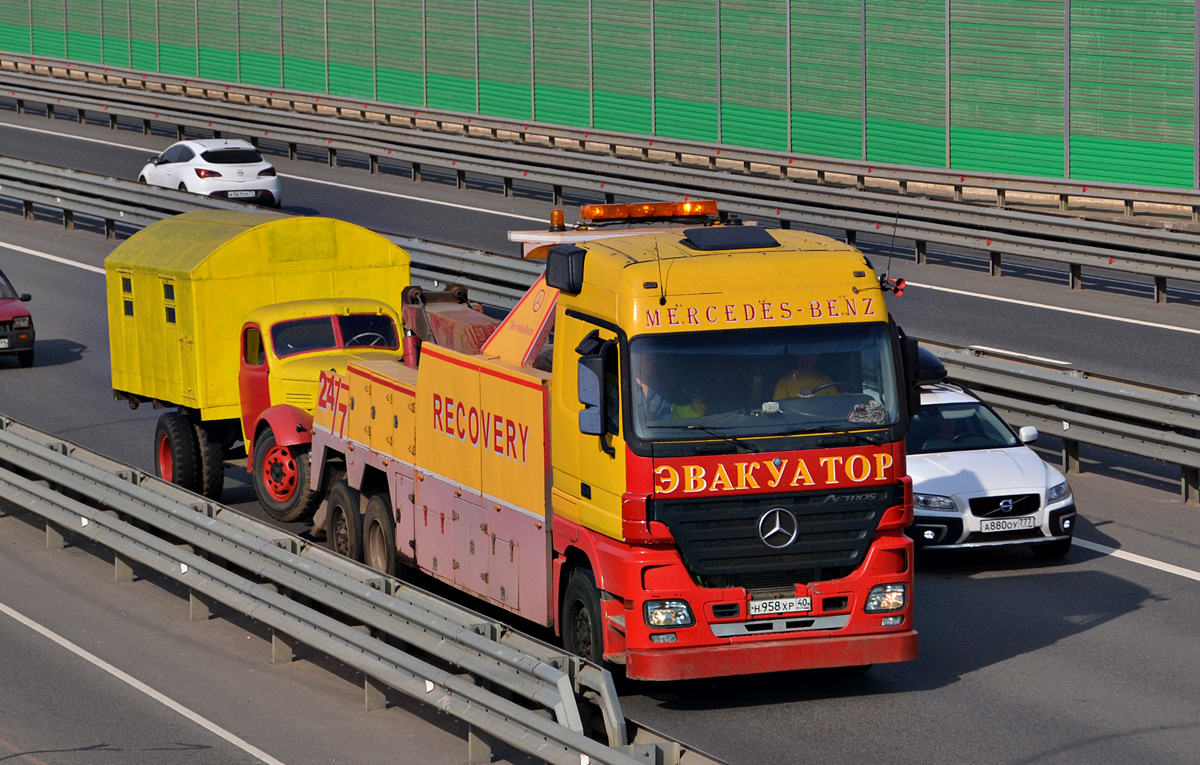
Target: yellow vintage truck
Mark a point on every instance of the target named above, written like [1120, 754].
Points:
[225, 317]
[683, 449]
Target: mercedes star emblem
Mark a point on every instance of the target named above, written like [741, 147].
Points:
[778, 528]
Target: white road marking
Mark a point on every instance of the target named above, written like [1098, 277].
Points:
[396, 195]
[1015, 354]
[57, 134]
[1060, 309]
[416, 198]
[48, 256]
[1187, 573]
[139, 685]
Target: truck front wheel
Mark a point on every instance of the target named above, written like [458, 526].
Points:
[282, 479]
[176, 453]
[582, 630]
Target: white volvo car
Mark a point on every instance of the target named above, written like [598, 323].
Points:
[227, 168]
[977, 484]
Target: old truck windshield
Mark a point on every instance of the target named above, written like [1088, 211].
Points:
[763, 382]
[317, 334]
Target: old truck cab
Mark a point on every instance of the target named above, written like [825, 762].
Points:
[284, 348]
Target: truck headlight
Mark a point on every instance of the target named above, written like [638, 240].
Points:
[668, 613]
[932, 502]
[1058, 493]
[21, 322]
[886, 597]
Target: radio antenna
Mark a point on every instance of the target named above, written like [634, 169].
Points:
[892, 244]
[896, 286]
[662, 288]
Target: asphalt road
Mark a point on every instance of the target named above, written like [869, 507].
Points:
[1093, 658]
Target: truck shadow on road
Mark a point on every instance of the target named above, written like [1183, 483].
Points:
[974, 609]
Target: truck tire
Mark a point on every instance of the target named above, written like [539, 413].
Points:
[210, 438]
[176, 453]
[582, 628]
[282, 479]
[344, 522]
[379, 535]
[25, 358]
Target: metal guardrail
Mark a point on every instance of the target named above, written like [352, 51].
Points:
[655, 148]
[110, 200]
[383, 628]
[1153, 251]
[1078, 409]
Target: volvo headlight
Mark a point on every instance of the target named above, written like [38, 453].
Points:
[932, 502]
[21, 322]
[661, 614]
[886, 597]
[1058, 493]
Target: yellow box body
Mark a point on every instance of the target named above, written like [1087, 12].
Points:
[481, 424]
[180, 289]
[381, 412]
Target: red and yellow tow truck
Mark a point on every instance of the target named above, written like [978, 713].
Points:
[683, 449]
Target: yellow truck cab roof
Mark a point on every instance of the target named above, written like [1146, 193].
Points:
[662, 281]
[300, 309]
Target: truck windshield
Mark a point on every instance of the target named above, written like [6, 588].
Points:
[317, 334]
[763, 382]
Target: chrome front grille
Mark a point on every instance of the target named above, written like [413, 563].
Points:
[1005, 506]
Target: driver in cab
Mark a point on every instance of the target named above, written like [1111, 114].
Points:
[648, 395]
[804, 380]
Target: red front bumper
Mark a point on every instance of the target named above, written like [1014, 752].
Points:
[770, 656]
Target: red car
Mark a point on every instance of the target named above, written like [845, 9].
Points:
[16, 325]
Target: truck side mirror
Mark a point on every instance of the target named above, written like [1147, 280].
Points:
[564, 268]
[591, 395]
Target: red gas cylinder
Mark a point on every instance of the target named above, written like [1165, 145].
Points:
[412, 349]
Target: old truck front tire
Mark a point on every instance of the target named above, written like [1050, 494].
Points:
[176, 452]
[282, 479]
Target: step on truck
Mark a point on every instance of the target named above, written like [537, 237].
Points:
[683, 449]
[224, 318]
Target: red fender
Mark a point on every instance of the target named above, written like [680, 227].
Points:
[291, 425]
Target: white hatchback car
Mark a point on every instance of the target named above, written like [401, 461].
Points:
[227, 168]
[977, 484]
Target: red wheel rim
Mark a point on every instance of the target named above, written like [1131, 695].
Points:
[166, 465]
[279, 473]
